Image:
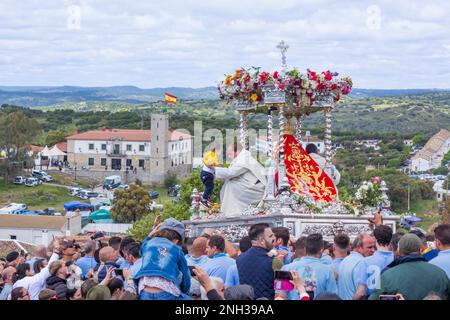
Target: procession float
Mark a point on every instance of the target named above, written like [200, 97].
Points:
[298, 190]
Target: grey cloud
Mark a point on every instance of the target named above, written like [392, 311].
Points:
[193, 43]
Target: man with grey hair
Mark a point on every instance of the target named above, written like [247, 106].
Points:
[87, 262]
[363, 245]
[410, 275]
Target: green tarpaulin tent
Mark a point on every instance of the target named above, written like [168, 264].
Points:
[101, 216]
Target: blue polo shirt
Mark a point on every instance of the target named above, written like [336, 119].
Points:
[136, 266]
[335, 263]
[85, 263]
[218, 265]
[443, 261]
[124, 265]
[349, 272]
[288, 257]
[200, 261]
[326, 259]
[232, 278]
[372, 265]
[318, 277]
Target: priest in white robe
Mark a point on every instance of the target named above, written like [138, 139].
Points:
[245, 181]
[331, 170]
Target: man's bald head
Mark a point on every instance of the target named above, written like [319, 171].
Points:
[8, 273]
[108, 254]
[199, 246]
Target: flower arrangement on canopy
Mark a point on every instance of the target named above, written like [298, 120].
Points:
[247, 85]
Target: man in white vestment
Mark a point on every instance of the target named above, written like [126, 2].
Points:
[245, 182]
[331, 171]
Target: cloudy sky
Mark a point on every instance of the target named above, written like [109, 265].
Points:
[193, 43]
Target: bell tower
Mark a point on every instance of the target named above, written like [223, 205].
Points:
[159, 155]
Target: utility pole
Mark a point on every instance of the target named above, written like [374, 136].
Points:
[409, 197]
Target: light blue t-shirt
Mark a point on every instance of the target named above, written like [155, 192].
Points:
[326, 259]
[371, 269]
[442, 261]
[232, 278]
[136, 266]
[125, 265]
[318, 277]
[218, 265]
[349, 271]
[335, 263]
[200, 261]
[288, 257]
[85, 263]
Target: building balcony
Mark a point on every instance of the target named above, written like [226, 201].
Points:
[116, 154]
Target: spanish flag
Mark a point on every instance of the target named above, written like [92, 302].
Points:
[169, 98]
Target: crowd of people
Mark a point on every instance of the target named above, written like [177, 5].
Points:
[267, 264]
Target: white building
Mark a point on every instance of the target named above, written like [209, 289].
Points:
[38, 229]
[430, 157]
[408, 142]
[441, 191]
[152, 153]
[373, 144]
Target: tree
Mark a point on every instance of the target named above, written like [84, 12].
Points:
[446, 159]
[419, 139]
[130, 204]
[446, 210]
[17, 131]
[56, 136]
[170, 180]
[179, 211]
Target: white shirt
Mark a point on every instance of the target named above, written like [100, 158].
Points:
[34, 284]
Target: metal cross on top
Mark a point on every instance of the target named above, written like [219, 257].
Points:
[283, 48]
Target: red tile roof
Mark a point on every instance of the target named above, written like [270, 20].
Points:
[123, 134]
[62, 146]
[36, 149]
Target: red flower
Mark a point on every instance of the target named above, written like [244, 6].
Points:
[312, 75]
[275, 74]
[327, 75]
[333, 86]
[281, 86]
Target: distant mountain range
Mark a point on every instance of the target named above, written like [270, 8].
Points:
[48, 96]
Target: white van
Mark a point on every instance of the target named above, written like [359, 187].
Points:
[13, 208]
[112, 182]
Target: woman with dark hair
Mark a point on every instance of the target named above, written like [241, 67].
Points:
[116, 288]
[39, 265]
[23, 270]
[164, 274]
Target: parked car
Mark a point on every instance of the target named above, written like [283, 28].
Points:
[13, 208]
[153, 194]
[42, 175]
[74, 191]
[174, 190]
[19, 180]
[86, 194]
[32, 182]
[49, 212]
[153, 206]
[123, 187]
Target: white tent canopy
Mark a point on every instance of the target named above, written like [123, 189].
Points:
[56, 152]
[44, 152]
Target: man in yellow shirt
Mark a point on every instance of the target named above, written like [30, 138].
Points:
[210, 161]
